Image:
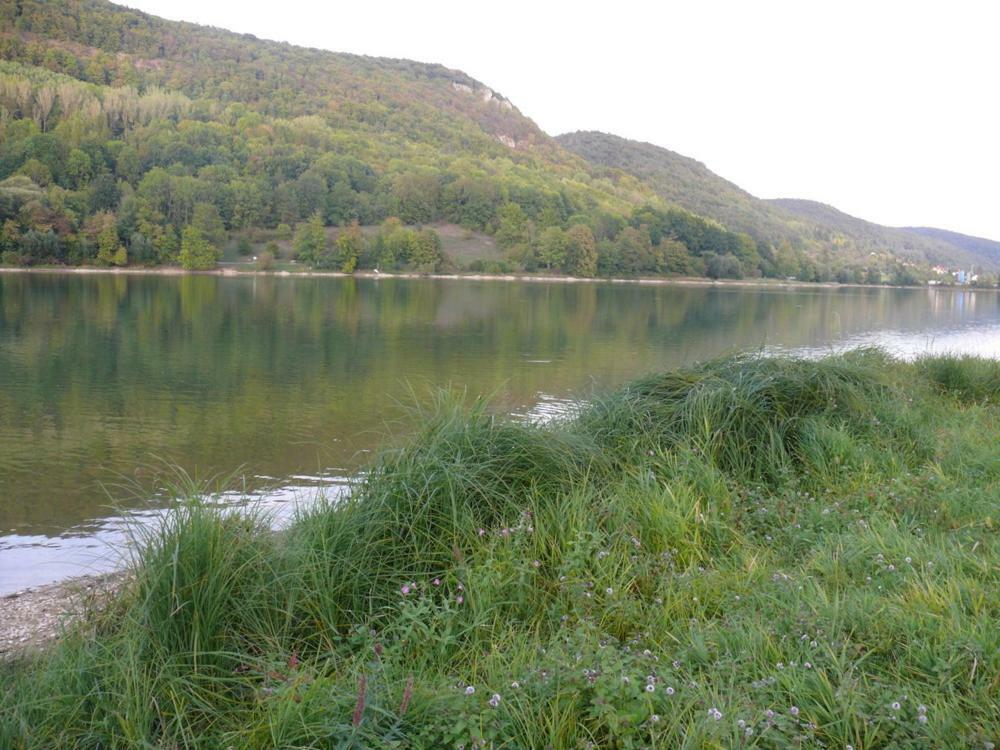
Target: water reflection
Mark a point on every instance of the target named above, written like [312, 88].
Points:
[104, 377]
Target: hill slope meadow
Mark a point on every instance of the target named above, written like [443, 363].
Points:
[808, 236]
[751, 552]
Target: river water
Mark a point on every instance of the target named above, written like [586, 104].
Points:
[287, 384]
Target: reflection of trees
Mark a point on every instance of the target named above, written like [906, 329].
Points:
[101, 373]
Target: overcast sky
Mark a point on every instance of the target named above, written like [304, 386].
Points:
[887, 110]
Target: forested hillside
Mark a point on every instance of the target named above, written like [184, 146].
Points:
[126, 139]
[808, 236]
[987, 250]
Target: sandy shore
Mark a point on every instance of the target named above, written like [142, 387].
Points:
[32, 618]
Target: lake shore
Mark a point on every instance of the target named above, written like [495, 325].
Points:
[34, 618]
[682, 281]
[802, 548]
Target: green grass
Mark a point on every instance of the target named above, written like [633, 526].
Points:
[753, 552]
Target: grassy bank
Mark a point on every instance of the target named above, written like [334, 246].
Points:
[754, 552]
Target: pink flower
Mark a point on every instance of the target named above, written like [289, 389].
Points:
[437, 581]
[405, 590]
[459, 599]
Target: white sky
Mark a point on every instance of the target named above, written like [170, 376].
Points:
[887, 110]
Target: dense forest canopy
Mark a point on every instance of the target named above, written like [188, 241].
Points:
[127, 139]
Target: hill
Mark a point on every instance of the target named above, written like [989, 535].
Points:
[127, 139]
[869, 237]
[987, 250]
[819, 232]
[121, 125]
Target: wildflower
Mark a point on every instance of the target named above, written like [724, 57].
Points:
[654, 718]
[922, 718]
[626, 679]
[808, 665]
[896, 706]
[909, 560]
[609, 591]
[921, 709]
[460, 587]
[670, 691]
[650, 687]
[407, 695]
[769, 714]
[470, 690]
[515, 684]
[405, 590]
[459, 599]
[748, 731]
[437, 581]
[794, 710]
[715, 713]
[359, 705]
[537, 563]
[482, 532]
[495, 700]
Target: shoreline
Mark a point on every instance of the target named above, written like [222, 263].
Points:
[687, 281]
[32, 618]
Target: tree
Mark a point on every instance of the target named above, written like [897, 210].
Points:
[723, 266]
[552, 248]
[310, 239]
[350, 245]
[206, 217]
[197, 253]
[425, 253]
[581, 251]
[110, 251]
[512, 230]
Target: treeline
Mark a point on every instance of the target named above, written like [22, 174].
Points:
[131, 140]
[103, 175]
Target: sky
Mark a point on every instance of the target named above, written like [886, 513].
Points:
[887, 110]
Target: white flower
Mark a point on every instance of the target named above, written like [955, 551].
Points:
[470, 690]
[896, 706]
[670, 691]
[495, 700]
[654, 718]
[794, 710]
[715, 713]
[515, 684]
[650, 687]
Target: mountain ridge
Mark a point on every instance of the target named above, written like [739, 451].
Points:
[810, 225]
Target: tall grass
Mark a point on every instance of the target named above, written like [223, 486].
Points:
[755, 551]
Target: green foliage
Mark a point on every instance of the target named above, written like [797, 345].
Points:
[753, 552]
[350, 246]
[551, 250]
[197, 253]
[311, 243]
[166, 125]
[581, 251]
